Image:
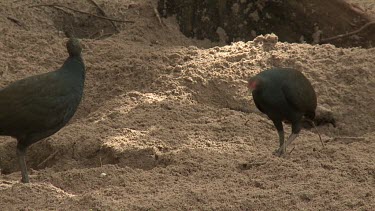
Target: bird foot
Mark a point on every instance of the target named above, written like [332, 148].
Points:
[279, 152]
[25, 181]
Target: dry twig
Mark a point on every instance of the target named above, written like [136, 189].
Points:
[292, 150]
[104, 14]
[253, 164]
[158, 17]
[317, 131]
[347, 139]
[61, 7]
[48, 158]
[16, 21]
[348, 34]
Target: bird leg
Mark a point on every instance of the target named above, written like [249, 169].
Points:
[280, 131]
[291, 139]
[21, 153]
[296, 128]
[281, 150]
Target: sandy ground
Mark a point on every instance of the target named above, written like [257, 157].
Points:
[167, 123]
[366, 5]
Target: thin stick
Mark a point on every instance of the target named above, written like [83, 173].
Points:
[86, 13]
[246, 122]
[256, 164]
[7, 182]
[103, 35]
[264, 121]
[349, 137]
[292, 150]
[348, 34]
[16, 21]
[104, 14]
[260, 120]
[158, 16]
[48, 158]
[317, 131]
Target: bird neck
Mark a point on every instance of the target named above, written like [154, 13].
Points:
[74, 63]
[76, 59]
[74, 68]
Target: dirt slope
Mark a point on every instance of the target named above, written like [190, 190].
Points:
[166, 122]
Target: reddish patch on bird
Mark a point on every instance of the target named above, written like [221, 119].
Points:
[252, 84]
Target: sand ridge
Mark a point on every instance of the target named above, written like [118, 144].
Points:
[167, 123]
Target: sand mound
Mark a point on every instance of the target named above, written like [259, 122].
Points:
[166, 122]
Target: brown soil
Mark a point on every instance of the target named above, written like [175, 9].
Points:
[167, 123]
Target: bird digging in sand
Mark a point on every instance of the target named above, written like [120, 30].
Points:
[284, 94]
[36, 107]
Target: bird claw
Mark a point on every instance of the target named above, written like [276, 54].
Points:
[279, 152]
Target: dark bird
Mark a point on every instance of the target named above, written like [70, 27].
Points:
[284, 94]
[36, 107]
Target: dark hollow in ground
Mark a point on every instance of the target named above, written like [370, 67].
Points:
[234, 20]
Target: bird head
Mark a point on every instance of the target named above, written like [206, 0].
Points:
[253, 83]
[74, 47]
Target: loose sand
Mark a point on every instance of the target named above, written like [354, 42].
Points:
[167, 123]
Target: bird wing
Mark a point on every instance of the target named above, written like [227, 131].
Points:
[33, 104]
[295, 96]
[298, 92]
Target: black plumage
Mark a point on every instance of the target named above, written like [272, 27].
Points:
[284, 94]
[38, 106]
